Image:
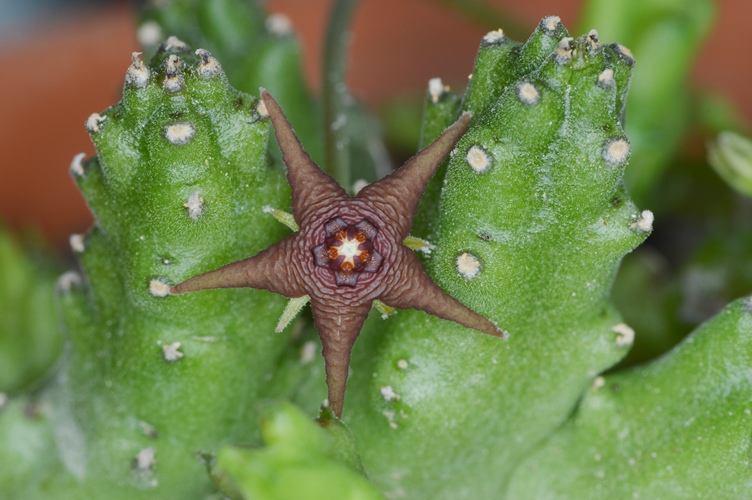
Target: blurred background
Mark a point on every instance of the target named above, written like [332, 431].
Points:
[63, 60]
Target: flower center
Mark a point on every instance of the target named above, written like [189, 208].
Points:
[348, 250]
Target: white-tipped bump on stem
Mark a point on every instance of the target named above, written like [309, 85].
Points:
[94, 123]
[388, 393]
[174, 80]
[179, 133]
[593, 42]
[175, 44]
[77, 243]
[208, 66]
[148, 430]
[606, 79]
[598, 382]
[159, 288]
[137, 74]
[170, 352]
[496, 36]
[468, 265]
[624, 334]
[550, 23]
[402, 364]
[643, 223]
[279, 24]
[479, 159]
[436, 89]
[528, 94]
[145, 460]
[616, 151]
[564, 50]
[625, 53]
[77, 166]
[194, 206]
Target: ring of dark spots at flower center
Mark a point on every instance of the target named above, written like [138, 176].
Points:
[348, 250]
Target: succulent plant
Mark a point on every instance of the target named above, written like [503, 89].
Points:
[165, 396]
[677, 428]
[347, 253]
[262, 51]
[532, 222]
[665, 37]
[178, 185]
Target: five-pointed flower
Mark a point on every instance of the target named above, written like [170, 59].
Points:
[348, 252]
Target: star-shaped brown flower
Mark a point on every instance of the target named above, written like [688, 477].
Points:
[348, 252]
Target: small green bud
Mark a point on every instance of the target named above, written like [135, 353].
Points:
[731, 156]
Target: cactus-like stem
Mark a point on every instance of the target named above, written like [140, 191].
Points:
[348, 251]
[677, 427]
[532, 222]
[177, 186]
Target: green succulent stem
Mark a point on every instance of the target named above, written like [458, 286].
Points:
[526, 223]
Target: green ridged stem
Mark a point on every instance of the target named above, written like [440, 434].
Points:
[676, 428]
[439, 112]
[492, 64]
[177, 188]
[530, 219]
[665, 37]
[270, 57]
[253, 55]
[538, 234]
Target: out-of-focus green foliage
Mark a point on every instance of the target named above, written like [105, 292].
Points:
[30, 340]
[731, 156]
[299, 459]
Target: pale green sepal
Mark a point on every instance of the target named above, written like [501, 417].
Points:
[291, 310]
[285, 218]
